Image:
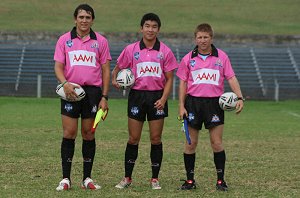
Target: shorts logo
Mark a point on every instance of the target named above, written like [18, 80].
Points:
[191, 117]
[68, 107]
[69, 43]
[160, 112]
[215, 118]
[136, 55]
[94, 109]
[160, 56]
[192, 63]
[134, 110]
[95, 45]
[218, 63]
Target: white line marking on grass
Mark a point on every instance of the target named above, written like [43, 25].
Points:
[294, 114]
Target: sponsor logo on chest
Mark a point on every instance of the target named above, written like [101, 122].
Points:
[206, 76]
[82, 58]
[149, 69]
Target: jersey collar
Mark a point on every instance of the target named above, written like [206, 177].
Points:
[155, 47]
[74, 34]
[214, 51]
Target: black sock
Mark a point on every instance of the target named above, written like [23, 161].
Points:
[131, 154]
[189, 163]
[219, 159]
[156, 156]
[88, 154]
[67, 152]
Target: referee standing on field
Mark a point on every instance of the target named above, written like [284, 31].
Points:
[202, 73]
[81, 56]
[152, 63]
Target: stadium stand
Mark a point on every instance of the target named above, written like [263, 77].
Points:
[262, 72]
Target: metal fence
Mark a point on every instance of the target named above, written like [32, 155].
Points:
[263, 72]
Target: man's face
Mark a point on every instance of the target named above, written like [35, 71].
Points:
[150, 30]
[83, 21]
[204, 41]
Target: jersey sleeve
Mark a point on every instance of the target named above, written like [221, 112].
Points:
[228, 70]
[124, 60]
[60, 54]
[170, 62]
[105, 52]
[183, 69]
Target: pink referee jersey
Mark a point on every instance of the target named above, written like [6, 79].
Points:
[148, 65]
[205, 78]
[82, 58]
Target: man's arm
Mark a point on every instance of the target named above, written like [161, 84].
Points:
[105, 77]
[235, 87]
[105, 85]
[114, 76]
[181, 96]
[160, 104]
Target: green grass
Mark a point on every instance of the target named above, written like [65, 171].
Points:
[230, 16]
[262, 146]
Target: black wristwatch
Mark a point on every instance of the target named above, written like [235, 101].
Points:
[105, 96]
[241, 98]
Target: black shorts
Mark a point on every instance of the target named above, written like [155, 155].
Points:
[204, 110]
[85, 108]
[141, 105]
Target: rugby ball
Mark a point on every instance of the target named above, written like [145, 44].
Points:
[227, 101]
[79, 91]
[125, 78]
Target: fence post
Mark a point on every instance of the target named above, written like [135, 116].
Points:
[276, 91]
[175, 77]
[39, 86]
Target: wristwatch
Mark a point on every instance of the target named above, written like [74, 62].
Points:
[241, 98]
[105, 96]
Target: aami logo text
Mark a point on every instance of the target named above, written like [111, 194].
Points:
[82, 58]
[207, 76]
[149, 69]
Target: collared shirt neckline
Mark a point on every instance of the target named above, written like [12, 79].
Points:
[214, 51]
[74, 34]
[155, 47]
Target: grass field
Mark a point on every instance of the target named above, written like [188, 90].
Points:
[262, 146]
[230, 16]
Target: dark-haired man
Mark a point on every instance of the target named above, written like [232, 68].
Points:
[81, 56]
[152, 63]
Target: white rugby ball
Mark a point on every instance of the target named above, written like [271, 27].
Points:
[79, 91]
[125, 78]
[227, 101]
